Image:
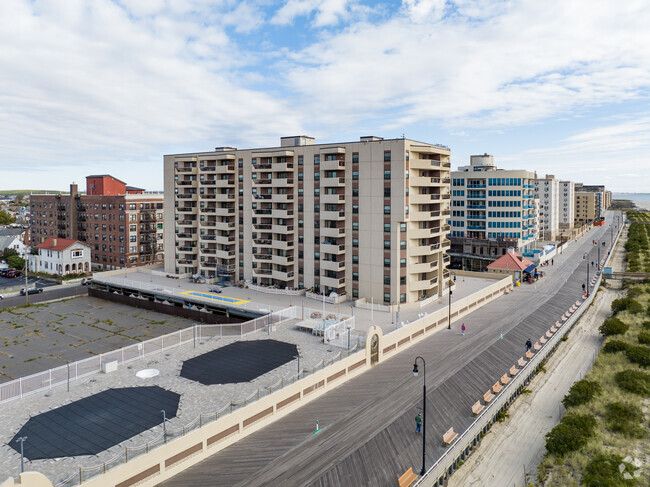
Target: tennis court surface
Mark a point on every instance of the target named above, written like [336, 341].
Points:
[95, 423]
[215, 298]
[238, 362]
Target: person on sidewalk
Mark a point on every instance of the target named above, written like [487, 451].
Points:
[462, 329]
[529, 345]
[418, 423]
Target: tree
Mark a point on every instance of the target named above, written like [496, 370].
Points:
[6, 218]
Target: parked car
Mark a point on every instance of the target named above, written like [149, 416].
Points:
[13, 273]
[31, 290]
[86, 281]
[4, 272]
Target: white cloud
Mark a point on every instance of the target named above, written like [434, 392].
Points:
[327, 12]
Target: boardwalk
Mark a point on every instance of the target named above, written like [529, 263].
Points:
[368, 435]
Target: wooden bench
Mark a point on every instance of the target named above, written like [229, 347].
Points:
[496, 388]
[542, 340]
[553, 329]
[488, 396]
[408, 478]
[505, 379]
[529, 355]
[449, 436]
[537, 347]
[477, 407]
[558, 324]
[513, 370]
[578, 304]
[521, 362]
[548, 334]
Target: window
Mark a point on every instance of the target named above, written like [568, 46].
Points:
[387, 244]
[355, 192]
[386, 192]
[355, 276]
[355, 259]
[300, 160]
[387, 210]
[77, 253]
[387, 262]
[317, 159]
[355, 293]
[300, 176]
[387, 174]
[386, 156]
[355, 175]
[386, 297]
[402, 245]
[301, 223]
[402, 281]
[402, 227]
[355, 226]
[355, 157]
[355, 242]
[402, 298]
[355, 209]
[316, 191]
[387, 280]
[402, 262]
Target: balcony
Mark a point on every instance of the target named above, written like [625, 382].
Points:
[278, 213]
[282, 182]
[209, 251]
[335, 182]
[476, 217]
[332, 165]
[329, 265]
[209, 223]
[421, 267]
[473, 186]
[225, 225]
[283, 260]
[420, 233]
[263, 242]
[221, 169]
[332, 232]
[475, 196]
[186, 196]
[282, 198]
[224, 239]
[332, 282]
[332, 198]
[424, 181]
[282, 229]
[332, 215]
[186, 223]
[225, 254]
[263, 256]
[224, 183]
[327, 248]
[262, 226]
[283, 244]
[424, 198]
[223, 211]
[186, 170]
[262, 272]
[186, 209]
[424, 285]
[417, 163]
[282, 166]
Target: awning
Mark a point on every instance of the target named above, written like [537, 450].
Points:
[530, 268]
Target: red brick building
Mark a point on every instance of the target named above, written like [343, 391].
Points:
[123, 225]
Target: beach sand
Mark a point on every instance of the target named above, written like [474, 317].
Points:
[643, 204]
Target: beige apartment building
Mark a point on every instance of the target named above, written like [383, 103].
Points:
[366, 219]
[587, 207]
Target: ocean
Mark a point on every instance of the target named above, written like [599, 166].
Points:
[642, 200]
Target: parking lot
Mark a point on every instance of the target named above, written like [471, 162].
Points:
[10, 285]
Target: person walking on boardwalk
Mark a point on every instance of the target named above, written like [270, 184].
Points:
[418, 423]
[529, 345]
[462, 329]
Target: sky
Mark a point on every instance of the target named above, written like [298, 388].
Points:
[110, 86]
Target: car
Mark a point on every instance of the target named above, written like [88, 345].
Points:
[13, 273]
[215, 290]
[86, 281]
[31, 290]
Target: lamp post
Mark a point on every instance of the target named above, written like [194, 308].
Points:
[298, 357]
[21, 440]
[349, 327]
[449, 311]
[164, 426]
[424, 407]
[585, 258]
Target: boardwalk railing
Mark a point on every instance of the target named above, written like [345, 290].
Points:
[471, 437]
[130, 453]
[31, 384]
[272, 290]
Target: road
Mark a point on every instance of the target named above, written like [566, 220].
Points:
[46, 295]
[368, 433]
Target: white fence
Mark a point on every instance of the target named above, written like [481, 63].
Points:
[326, 299]
[272, 290]
[48, 379]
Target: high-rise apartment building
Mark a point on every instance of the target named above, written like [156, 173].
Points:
[123, 225]
[364, 218]
[547, 190]
[567, 204]
[587, 207]
[492, 210]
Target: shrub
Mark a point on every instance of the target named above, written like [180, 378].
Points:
[646, 324]
[624, 418]
[634, 292]
[626, 304]
[571, 434]
[635, 381]
[613, 326]
[581, 392]
[602, 471]
[639, 354]
[644, 337]
[613, 346]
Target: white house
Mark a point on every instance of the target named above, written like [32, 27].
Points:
[61, 256]
[13, 238]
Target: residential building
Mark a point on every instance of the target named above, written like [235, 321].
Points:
[547, 190]
[13, 238]
[587, 207]
[61, 256]
[364, 218]
[567, 204]
[603, 197]
[122, 224]
[492, 210]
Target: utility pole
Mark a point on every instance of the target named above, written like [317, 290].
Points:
[26, 267]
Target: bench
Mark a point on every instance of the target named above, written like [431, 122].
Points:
[513, 370]
[449, 436]
[521, 362]
[553, 329]
[578, 304]
[529, 355]
[537, 347]
[488, 396]
[477, 407]
[496, 388]
[548, 334]
[542, 340]
[505, 379]
[558, 324]
[408, 478]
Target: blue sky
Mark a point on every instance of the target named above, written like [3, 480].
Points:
[110, 86]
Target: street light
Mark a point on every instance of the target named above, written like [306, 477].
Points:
[164, 426]
[449, 311]
[298, 357]
[21, 440]
[424, 408]
[349, 328]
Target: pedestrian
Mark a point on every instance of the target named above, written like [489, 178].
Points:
[529, 345]
[552, 262]
[418, 423]
[501, 335]
[462, 329]
[583, 287]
